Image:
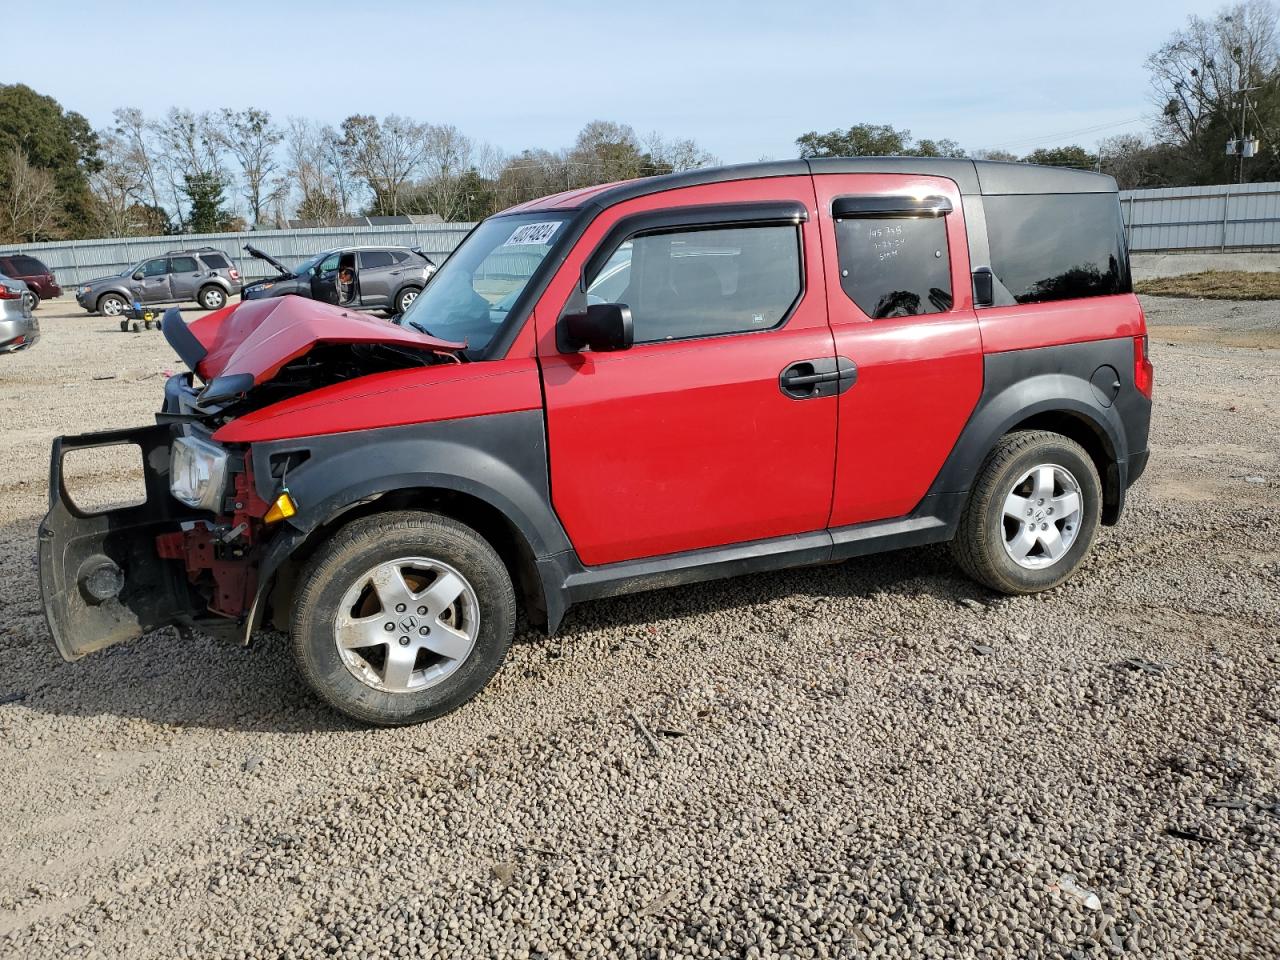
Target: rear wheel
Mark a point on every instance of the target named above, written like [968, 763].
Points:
[111, 305]
[33, 299]
[402, 617]
[1032, 514]
[212, 297]
[406, 297]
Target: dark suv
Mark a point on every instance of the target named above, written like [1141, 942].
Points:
[205, 275]
[624, 388]
[41, 284]
[361, 278]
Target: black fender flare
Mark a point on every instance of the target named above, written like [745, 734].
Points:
[1001, 410]
[499, 459]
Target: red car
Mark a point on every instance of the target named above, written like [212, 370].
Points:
[38, 278]
[623, 388]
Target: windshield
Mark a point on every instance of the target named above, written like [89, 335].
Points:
[470, 296]
[305, 266]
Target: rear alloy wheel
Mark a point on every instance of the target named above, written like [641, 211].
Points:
[111, 305]
[33, 300]
[403, 617]
[406, 297]
[1032, 514]
[212, 298]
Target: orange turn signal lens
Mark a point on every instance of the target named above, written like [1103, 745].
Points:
[282, 509]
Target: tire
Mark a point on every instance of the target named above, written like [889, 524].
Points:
[212, 297]
[34, 299]
[124, 326]
[406, 297]
[428, 551]
[111, 304]
[1052, 539]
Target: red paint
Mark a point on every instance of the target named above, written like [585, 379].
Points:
[261, 336]
[675, 446]
[919, 378]
[1030, 325]
[445, 391]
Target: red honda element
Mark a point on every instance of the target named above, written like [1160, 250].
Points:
[627, 387]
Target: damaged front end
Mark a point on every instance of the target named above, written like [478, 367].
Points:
[192, 553]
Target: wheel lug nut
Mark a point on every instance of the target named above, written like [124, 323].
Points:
[1029, 512]
[404, 641]
[388, 626]
[424, 630]
[1049, 511]
[400, 608]
[422, 611]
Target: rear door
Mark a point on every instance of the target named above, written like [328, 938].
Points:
[900, 299]
[154, 285]
[375, 278]
[185, 275]
[704, 433]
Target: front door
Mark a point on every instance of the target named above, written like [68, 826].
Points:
[154, 285]
[711, 430]
[324, 279]
[901, 305]
[184, 278]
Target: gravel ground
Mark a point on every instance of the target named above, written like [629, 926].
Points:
[871, 759]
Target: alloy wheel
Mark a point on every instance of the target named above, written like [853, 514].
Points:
[407, 624]
[1042, 514]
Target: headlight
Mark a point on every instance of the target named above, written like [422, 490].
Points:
[85, 289]
[197, 472]
[266, 286]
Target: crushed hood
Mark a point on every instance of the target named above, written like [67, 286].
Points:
[247, 344]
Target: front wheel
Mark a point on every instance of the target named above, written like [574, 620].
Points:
[1032, 514]
[402, 617]
[111, 305]
[212, 298]
[406, 297]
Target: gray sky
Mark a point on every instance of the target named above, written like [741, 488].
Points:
[743, 79]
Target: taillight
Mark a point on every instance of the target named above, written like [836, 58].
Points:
[235, 274]
[1144, 374]
[9, 293]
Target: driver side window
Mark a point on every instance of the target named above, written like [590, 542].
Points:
[329, 264]
[155, 268]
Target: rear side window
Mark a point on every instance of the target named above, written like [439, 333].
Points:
[704, 282]
[894, 266]
[183, 265]
[28, 266]
[215, 261]
[370, 259]
[1057, 246]
[399, 256]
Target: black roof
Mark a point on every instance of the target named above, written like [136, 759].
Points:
[985, 177]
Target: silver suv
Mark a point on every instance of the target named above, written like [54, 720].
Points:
[205, 275]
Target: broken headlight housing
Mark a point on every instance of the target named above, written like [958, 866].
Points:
[197, 472]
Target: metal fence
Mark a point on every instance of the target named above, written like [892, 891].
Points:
[1232, 217]
[75, 261]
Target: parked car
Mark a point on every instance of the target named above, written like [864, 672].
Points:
[625, 388]
[360, 278]
[19, 329]
[40, 281]
[205, 275]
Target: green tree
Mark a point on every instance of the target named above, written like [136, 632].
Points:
[206, 196]
[873, 140]
[57, 141]
[1072, 156]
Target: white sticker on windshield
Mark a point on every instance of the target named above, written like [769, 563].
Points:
[532, 233]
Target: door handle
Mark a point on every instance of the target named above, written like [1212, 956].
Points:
[820, 377]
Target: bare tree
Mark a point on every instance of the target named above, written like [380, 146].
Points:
[446, 160]
[386, 155]
[251, 137]
[29, 206]
[118, 186]
[1197, 75]
[136, 134]
[193, 154]
[307, 148]
[677, 155]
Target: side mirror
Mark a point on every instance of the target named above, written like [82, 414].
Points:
[983, 288]
[138, 275]
[604, 327]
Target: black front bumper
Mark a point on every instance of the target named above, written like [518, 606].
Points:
[101, 579]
